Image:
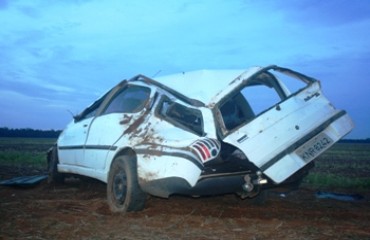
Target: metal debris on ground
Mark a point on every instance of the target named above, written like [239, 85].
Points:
[24, 181]
[339, 196]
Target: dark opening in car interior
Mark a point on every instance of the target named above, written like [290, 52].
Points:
[182, 116]
[260, 94]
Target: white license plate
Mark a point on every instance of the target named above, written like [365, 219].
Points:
[314, 147]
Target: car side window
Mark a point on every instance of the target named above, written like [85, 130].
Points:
[129, 100]
[182, 116]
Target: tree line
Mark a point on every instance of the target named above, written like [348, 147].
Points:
[28, 133]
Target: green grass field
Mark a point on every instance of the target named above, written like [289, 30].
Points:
[29, 152]
[344, 166]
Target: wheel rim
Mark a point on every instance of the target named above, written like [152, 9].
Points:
[120, 187]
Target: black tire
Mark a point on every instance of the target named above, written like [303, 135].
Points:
[123, 191]
[54, 177]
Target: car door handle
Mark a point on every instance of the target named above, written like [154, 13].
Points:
[85, 125]
[243, 138]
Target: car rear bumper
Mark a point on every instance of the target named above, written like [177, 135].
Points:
[204, 187]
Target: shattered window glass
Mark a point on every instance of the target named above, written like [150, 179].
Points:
[182, 116]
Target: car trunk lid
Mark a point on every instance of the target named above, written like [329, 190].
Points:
[290, 134]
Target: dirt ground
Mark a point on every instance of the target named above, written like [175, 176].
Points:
[78, 210]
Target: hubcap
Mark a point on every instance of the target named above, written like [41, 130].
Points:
[120, 187]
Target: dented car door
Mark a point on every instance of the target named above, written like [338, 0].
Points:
[278, 130]
[118, 117]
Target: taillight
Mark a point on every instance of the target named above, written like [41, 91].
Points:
[206, 149]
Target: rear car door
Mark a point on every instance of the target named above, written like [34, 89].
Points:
[125, 108]
[279, 130]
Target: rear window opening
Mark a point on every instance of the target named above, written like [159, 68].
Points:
[261, 93]
[180, 115]
[235, 111]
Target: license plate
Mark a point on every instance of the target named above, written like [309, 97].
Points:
[314, 147]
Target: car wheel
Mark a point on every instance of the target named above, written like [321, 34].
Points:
[123, 191]
[54, 177]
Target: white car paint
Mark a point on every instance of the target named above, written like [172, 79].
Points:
[204, 84]
[272, 141]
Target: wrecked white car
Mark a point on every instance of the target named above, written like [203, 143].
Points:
[199, 133]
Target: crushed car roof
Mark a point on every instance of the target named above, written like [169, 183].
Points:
[204, 85]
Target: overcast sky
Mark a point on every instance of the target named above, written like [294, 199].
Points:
[59, 56]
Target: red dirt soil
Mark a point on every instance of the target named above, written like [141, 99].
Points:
[78, 210]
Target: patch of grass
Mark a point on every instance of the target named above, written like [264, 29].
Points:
[23, 158]
[343, 166]
[21, 141]
[329, 181]
[27, 152]
[348, 151]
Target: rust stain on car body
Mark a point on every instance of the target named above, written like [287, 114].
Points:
[126, 119]
[143, 132]
[134, 126]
